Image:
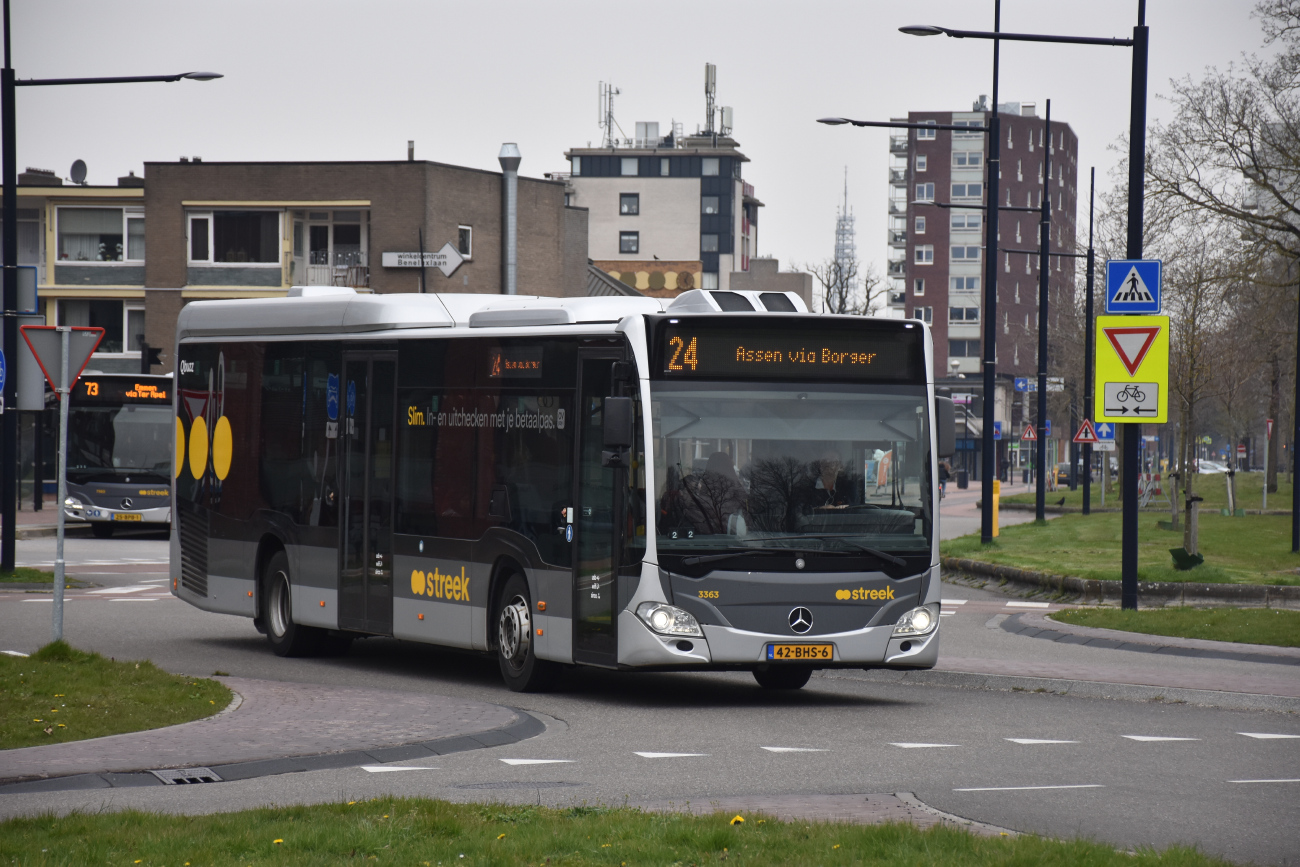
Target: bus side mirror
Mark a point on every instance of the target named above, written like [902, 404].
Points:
[945, 426]
[619, 420]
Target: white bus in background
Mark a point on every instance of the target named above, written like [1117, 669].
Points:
[717, 481]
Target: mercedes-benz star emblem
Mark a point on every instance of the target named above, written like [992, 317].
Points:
[800, 620]
[126, 502]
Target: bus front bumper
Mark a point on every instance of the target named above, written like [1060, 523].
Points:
[125, 517]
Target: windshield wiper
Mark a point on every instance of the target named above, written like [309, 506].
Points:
[874, 552]
[741, 552]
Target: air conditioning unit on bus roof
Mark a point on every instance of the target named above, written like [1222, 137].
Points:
[736, 301]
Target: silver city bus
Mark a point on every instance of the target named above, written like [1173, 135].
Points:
[717, 481]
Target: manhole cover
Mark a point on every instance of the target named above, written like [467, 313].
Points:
[518, 784]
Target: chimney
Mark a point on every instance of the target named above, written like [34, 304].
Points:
[510, 159]
[130, 180]
[410, 150]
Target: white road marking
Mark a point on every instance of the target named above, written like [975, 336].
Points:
[952, 601]
[1265, 781]
[1028, 605]
[1265, 736]
[51, 599]
[386, 769]
[107, 590]
[13, 653]
[947, 613]
[1037, 741]
[670, 755]
[133, 600]
[537, 761]
[1029, 788]
[795, 750]
[1155, 738]
[907, 746]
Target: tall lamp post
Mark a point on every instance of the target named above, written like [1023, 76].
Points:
[9, 172]
[1136, 194]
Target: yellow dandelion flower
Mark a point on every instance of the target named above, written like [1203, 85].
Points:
[500, 836]
[836, 846]
[761, 821]
[277, 842]
[606, 845]
[738, 820]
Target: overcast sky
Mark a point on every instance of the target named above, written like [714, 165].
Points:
[353, 81]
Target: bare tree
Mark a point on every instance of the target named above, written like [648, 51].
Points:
[846, 289]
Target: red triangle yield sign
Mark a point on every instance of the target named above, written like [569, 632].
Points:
[1131, 344]
[1029, 433]
[1086, 433]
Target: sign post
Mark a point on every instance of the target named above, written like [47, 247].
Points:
[60, 350]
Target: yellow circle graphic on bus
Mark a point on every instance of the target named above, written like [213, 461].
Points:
[222, 448]
[198, 448]
[179, 459]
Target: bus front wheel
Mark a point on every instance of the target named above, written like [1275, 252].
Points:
[520, 667]
[783, 677]
[287, 638]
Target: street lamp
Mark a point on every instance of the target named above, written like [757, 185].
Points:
[1136, 190]
[9, 213]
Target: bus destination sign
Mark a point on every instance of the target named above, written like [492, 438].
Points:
[118, 390]
[515, 362]
[699, 349]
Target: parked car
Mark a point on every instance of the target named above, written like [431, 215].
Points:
[1210, 467]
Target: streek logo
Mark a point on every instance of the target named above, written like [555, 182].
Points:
[864, 593]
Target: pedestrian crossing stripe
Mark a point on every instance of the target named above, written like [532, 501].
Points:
[1134, 290]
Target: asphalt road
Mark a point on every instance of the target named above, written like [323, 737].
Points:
[952, 747]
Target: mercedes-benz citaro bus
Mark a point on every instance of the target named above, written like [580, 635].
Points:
[719, 481]
[120, 451]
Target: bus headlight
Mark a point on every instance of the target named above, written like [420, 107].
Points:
[72, 503]
[918, 621]
[668, 619]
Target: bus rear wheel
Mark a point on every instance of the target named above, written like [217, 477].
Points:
[520, 667]
[783, 677]
[287, 638]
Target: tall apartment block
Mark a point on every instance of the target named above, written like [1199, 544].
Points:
[936, 255]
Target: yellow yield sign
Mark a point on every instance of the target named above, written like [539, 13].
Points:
[1132, 383]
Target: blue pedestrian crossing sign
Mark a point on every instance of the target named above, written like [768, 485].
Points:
[997, 430]
[1133, 286]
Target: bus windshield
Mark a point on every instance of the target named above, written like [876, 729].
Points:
[113, 443]
[796, 465]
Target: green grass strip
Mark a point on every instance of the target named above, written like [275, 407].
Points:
[425, 832]
[27, 575]
[60, 694]
[1251, 550]
[1212, 487]
[1243, 625]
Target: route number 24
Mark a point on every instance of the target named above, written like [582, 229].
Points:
[683, 352]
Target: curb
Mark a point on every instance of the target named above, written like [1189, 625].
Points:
[43, 532]
[527, 726]
[1078, 510]
[1161, 593]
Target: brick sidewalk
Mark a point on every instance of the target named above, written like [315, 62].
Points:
[273, 720]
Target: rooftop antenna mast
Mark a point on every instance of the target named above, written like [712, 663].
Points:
[846, 249]
[605, 105]
[710, 92]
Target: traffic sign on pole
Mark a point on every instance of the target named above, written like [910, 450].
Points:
[997, 430]
[1132, 376]
[1133, 286]
[1047, 428]
[1086, 435]
[1028, 433]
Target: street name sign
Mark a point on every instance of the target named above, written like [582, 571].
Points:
[1132, 376]
[446, 260]
[1133, 286]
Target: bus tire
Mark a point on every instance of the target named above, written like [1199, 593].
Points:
[287, 638]
[520, 667]
[783, 677]
[102, 529]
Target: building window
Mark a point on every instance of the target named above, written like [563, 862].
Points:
[963, 349]
[709, 280]
[465, 241]
[925, 192]
[920, 225]
[239, 237]
[964, 284]
[709, 166]
[918, 286]
[966, 222]
[976, 128]
[924, 254]
[961, 315]
[663, 167]
[921, 162]
[629, 204]
[123, 323]
[575, 164]
[927, 133]
[967, 191]
[629, 242]
[708, 243]
[100, 235]
[964, 253]
[967, 159]
[709, 205]
[925, 314]
[628, 167]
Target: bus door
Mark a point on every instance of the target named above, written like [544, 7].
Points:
[595, 603]
[366, 525]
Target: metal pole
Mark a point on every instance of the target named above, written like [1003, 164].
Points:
[1295, 440]
[423, 286]
[1044, 272]
[1088, 348]
[509, 159]
[1137, 136]
[988, 456]
[65, 337]
[9, 418]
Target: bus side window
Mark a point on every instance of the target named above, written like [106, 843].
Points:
[320, 438]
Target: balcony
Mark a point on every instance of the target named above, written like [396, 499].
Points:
[898, 144]
[898, 206]
[898, 176]
[349, 269]
[897, 239]
[897, 299]
[897, 269]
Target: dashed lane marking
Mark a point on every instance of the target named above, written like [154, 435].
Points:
[1297, 780]
[1028, 605]
[538, 761]
[387, 769]
[133, 600]
[952, 601]
[1037, 741]
[795, 750]
[670, 755]
[1030, 788]
[908, 746]
[1146, 738]
[1266, 736]
[111, 590]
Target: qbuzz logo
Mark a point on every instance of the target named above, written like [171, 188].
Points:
[187, 367]
[863, 593]
[441, 585]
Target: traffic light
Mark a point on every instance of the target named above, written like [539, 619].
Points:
[149, 356]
